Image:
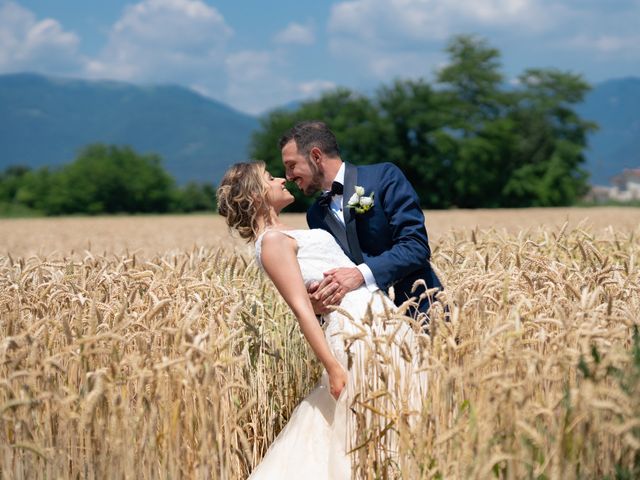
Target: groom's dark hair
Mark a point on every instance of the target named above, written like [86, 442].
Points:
[309, 134]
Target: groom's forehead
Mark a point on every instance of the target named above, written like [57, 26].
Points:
[290, 151]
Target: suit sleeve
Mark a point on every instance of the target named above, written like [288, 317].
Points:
[410, 245]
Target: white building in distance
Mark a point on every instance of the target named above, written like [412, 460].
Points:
[626, 186]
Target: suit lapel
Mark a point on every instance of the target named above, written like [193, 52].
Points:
[350, 179]
[336, 229]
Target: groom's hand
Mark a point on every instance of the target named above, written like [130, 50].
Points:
[336, 283]
[347, 279]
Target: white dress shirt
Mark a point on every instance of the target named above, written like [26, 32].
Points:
[336, 210]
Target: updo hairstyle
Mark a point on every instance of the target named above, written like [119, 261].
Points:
[241, 196]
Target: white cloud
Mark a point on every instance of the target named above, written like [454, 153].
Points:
[502, 12]
[253, 81]
[315, 87]
[390, 38]
[383, 64]
[165, 41]
[606, 43]
[256, 82]
[296, 34]
[405, 38]
[398, 21]
[27, 43]
[249, 66]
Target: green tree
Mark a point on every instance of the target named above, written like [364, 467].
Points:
[471, 84]
[475, 113]
[36, 188]
[102, 179]
[194, 197]
[469, 141]
[515, 147]
[551, 140]
[414, 140]
[111, 179]
[10, 181]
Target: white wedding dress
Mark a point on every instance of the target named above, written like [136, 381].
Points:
[314, 443]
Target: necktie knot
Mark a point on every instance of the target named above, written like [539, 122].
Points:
[325, 198]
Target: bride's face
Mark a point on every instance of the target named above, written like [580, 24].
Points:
[277, 194]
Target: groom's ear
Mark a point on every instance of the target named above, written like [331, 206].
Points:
[316, 155]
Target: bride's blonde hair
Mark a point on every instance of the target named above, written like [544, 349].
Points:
[241, 196]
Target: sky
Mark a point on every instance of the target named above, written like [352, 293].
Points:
[257, 55]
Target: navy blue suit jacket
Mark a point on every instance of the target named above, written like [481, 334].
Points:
[391, 237]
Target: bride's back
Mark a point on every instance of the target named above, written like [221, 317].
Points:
[317, 252]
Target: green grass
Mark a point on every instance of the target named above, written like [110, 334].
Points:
[608, 203]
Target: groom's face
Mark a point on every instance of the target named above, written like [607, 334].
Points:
[302, 170]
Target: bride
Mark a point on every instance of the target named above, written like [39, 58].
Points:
[316, 442]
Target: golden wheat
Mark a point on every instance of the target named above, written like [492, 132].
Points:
[188, 364]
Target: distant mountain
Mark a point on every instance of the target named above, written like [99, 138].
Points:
[45, 121]
[615, 106]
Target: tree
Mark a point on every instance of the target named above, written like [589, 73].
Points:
[102, 179]
[111, 179]
[476, 114]
[414, 139]
[10, 181]
[36, 188]
[472, 84]
[469, 141]
[515, 147]
[551, 143]
[194, 197]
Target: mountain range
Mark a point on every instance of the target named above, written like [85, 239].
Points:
[47, 120]
[615, 106]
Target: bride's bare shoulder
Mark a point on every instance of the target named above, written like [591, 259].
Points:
[276, 239]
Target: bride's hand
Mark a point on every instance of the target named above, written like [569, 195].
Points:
[337, 380]
[319, 306]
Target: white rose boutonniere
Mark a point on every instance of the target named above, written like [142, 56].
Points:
[359, 201]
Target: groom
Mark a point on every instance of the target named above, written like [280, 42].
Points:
[382, 231]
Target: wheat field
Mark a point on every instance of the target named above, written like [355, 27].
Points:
[153, 347]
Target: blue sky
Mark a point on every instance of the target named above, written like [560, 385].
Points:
[256, 55]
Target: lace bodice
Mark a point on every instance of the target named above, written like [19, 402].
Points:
[317, 252]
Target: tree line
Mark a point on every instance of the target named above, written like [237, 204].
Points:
[468, 140]
[102, 179]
